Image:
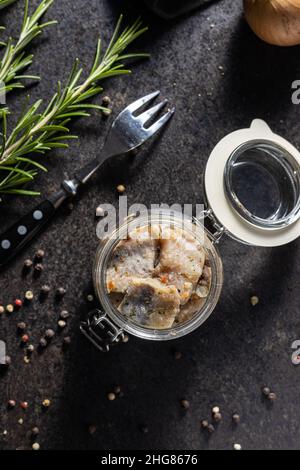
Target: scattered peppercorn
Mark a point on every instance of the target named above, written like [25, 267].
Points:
[24, 405]
[236, 418]
[111, 396]
[30, 348]
[215, 410]
[29, 295]
[20, 421]
[28, 264]
[35, 446]
[217, 417]
[90, 298]
[177, 355]
[266, 391]
[18, 303]
[11, 403]
[125, 339]
[185, 404]
[39, 255]
[64, 314]
[8, 360]
[106, 100]
[46, 403]
[26, 359]
[35, 431]
[272, 396]
[237, 446]
[38, 268]
[204, 424]
[43, 343]
[121, 189]
[61, 323]
[67, 341]
[21, 326]
[49, 333]
[254, 300]
[211, 428]
[25, 338]
[2, 309]
[60, 292]
[117, 389]
[9, 308]
[45, 289]
[92, 429]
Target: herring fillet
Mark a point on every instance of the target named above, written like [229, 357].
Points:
[133, 257]
[151, 303]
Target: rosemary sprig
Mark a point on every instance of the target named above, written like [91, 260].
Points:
[15, 59]
[38, 132]
[5, 3]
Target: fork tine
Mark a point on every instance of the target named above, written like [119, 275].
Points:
[139, 103]
[161, 122]
[147, 115]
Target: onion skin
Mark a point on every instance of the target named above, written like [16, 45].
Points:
[276, 22]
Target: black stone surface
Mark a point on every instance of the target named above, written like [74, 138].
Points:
[240, 348]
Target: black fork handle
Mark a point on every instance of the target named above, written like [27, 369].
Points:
[13, 240]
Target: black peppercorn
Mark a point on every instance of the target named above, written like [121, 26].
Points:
[67, 341]
[43, 343]
[211, 428]
[64, 314]
[28, 264]
[236, 418]
[266, 391]
[21, 326]
[39, 255]
[49, 333]
[217, 417]
[38, 268]
[60, 292]
[204, 424]
[185, 404]
[45, 290]
[272, 396]
[35, 431]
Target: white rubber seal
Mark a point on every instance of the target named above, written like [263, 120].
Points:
[237, 227]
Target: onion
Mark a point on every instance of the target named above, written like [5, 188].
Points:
[274, 21]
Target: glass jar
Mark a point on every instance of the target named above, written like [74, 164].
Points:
[252, 193]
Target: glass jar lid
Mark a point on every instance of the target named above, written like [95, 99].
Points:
[252, 185]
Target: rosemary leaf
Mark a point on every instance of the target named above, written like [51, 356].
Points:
[15, 58]
[38, 132]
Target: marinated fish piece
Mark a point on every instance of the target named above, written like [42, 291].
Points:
[204, 285]
[151, 303]
[184, 287]
[188, 310]
[182, 254]
[134, 257]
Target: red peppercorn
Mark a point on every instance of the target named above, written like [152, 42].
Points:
[25, 339]
[18, 303]
[24, 405]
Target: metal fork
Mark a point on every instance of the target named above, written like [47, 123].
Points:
[128, 131]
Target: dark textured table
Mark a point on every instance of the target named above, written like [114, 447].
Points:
[240, 348]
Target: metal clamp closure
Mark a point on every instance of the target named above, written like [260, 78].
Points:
[219, 229]
[100, 331]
